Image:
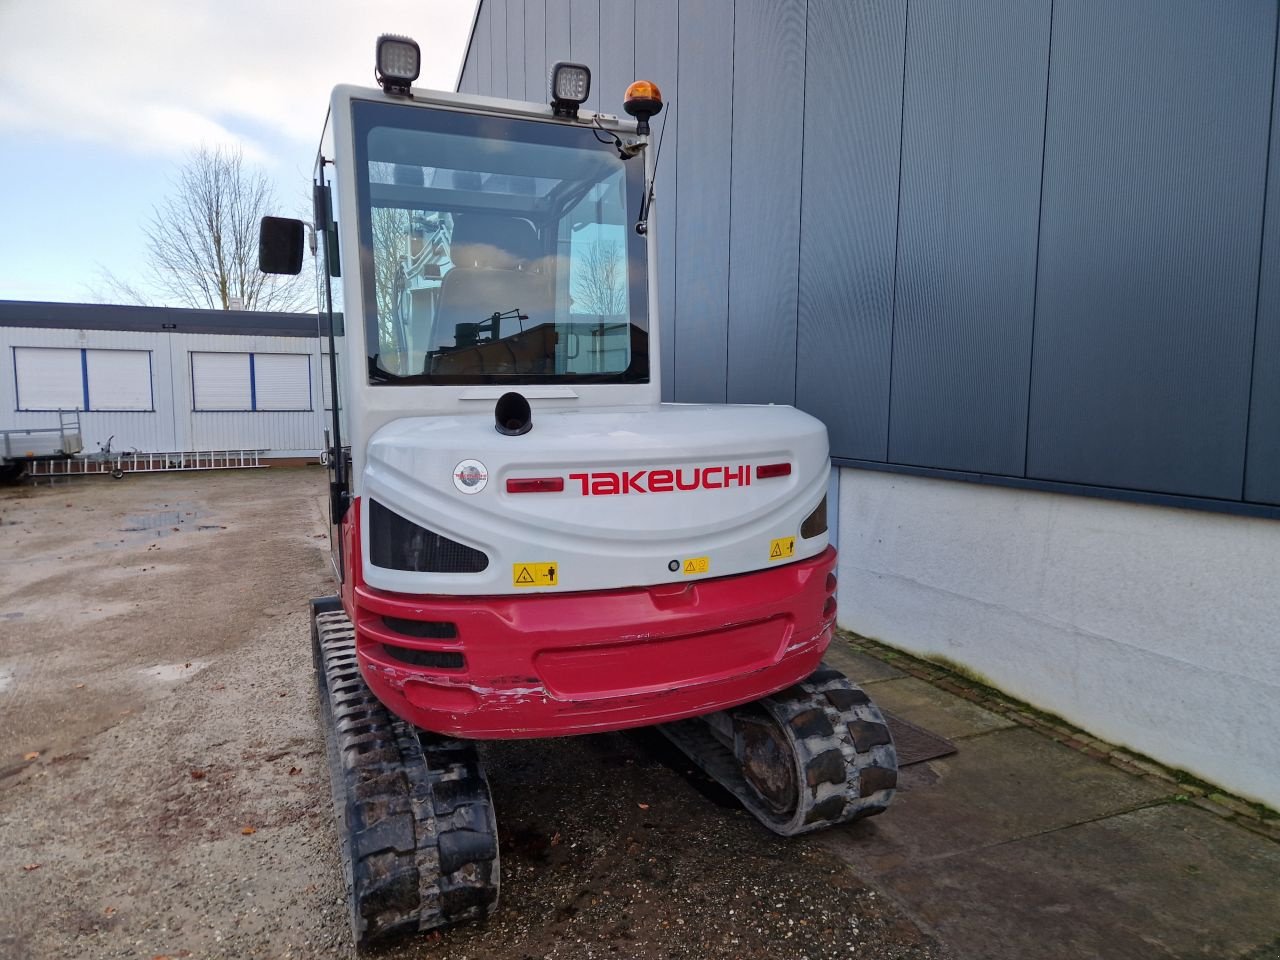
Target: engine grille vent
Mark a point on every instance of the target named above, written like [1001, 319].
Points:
[439, 659]
[426, 629]
[816, 522]
[399, 544]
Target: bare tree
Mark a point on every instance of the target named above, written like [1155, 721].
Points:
[390, 246]
[600, 287]
[202, 242]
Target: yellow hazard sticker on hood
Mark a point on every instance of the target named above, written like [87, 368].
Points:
[784, 548]
[535, 574]
[697, 565]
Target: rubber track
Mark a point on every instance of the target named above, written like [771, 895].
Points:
[419, 839]
[846, 764]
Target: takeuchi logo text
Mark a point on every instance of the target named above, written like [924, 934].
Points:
[608, 483]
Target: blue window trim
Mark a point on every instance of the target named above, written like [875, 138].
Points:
[253, 385]
[84, 376]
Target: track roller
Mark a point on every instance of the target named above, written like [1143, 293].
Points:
[419, 839]
[808, 757]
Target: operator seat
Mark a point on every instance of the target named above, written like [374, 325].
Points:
[497, 266]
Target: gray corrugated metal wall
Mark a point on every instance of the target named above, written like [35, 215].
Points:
[1027, 240]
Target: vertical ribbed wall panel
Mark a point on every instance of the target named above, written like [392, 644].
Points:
[498, 45]
[516, 75]
[764, 236]
[535, 51]
[584, 43]
[657, 58]
[1155, 156]
[466, 74]
[617, 53]
[852, 126]
[953, 307]
[972, 139]
[1262, 474]
[558, 28]
[703, 164]
[482, 49]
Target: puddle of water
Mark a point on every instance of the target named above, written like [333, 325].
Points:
[16, 615]
[171, 672]
[6, 679]
[162, 522]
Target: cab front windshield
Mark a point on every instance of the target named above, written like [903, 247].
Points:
[497, 250]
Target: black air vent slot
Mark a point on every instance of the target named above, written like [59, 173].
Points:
[439, 659]
[399, 544]
[425, 629]
[816, 523]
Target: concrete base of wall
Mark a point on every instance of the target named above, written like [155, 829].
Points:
[282, 460]
[1150, 627]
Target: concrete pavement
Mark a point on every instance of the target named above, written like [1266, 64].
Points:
[1035, 841]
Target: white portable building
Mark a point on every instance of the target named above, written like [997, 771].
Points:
[158, 379]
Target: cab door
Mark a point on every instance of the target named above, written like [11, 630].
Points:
[331, 330]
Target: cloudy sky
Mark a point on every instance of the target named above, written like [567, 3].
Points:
[100, 100]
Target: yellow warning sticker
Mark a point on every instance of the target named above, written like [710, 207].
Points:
[697, 565]
[784, 548]
[535, 574]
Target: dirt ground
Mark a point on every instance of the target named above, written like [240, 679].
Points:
[163, 790]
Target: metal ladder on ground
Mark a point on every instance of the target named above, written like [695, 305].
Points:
[118, 464]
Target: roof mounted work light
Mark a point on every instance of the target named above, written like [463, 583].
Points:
[570, 86]
[399, 61]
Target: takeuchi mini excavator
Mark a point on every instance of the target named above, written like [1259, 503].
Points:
[528, 542]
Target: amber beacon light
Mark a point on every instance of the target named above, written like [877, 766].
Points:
[643, 100]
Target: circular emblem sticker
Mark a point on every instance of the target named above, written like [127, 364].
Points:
[470, 476]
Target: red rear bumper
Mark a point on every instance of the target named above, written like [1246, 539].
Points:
[556, 664]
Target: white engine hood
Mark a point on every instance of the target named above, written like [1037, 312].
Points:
[726, 517]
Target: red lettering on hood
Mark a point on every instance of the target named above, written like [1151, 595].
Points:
[604, 483]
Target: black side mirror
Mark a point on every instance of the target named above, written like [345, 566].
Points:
[280, 243]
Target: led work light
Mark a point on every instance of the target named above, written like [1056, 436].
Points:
[399, 61]
[570, 86]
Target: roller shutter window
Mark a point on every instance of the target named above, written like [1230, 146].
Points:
[221, 381]
[282, 381]
[119, 379]
[49, 378]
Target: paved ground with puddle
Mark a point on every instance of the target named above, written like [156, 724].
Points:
[163, 790]
[154, 653]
